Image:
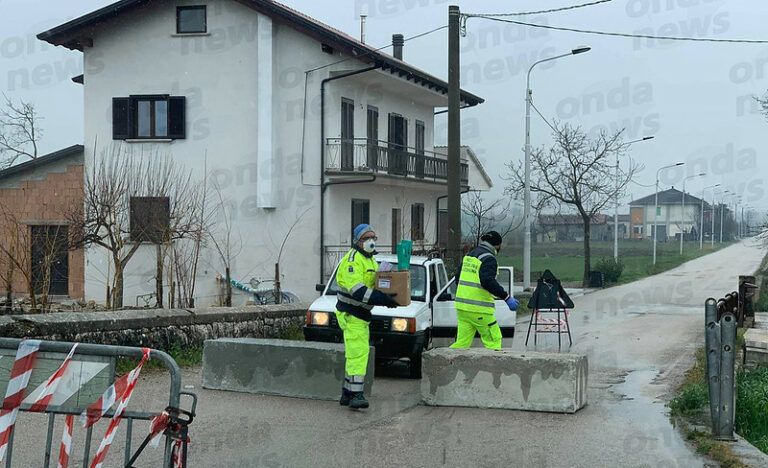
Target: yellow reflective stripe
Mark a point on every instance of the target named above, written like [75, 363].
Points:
[471, 284]
[354, 302]
[474, 302]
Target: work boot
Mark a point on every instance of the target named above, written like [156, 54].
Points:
[346, 395]
[358, 401]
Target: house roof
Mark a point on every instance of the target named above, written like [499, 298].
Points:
[77, 34]
[42, 160]
[466, 150]
[670, 196]
[569, 219]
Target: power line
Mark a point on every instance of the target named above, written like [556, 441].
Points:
[540, 12]
[616, 34]
[378, 49]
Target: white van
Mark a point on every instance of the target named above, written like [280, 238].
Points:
[406, 331]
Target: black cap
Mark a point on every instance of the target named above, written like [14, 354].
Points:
[492, 237]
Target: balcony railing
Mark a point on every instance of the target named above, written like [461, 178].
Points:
[364, 155]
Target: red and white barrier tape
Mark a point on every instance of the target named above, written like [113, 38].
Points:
[14, 394]
[563, 323]
[177, 455]
[109, 436]
[115, 392]
[66, 441]
[42, 401]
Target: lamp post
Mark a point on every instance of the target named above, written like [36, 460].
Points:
[616, 204]
[713, 217]
[527, 196]
[656, 207]
[682, 213]
[701, 231]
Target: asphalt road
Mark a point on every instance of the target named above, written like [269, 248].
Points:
[640, 339]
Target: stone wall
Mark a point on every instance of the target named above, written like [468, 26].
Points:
[156, 328]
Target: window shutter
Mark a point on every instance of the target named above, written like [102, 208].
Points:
[121, 125]
[177, 117]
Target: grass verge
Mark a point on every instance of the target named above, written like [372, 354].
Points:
[752, 407]
[184, 357]
[566, 259]
[718, 451]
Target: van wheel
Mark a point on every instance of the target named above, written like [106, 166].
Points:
[414, 367]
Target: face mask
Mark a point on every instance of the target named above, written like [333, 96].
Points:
[369, 245]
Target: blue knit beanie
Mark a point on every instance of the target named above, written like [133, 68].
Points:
[359, 231]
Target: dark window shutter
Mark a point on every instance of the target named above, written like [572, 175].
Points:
[121, 121]
[177, 117]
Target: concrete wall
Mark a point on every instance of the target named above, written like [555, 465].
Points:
[156, 328]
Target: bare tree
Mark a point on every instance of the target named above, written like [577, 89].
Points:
[19, 132]
[225, 240]
[486, 215]
[32, 251]
[578, 172]
[278, 289]
[112, 184]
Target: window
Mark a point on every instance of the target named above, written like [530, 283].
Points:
[417, 221]
[150, 219]
[149, 117]
[372, 133]
[191, 19]
[397, 144]
[347, 134]
[396, 228]
[50, 260]
[419, 149]
[419, 137]
[360, 214]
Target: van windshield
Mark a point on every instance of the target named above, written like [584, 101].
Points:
[418, 283]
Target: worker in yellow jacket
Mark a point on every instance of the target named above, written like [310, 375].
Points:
[476, 291]
[356, 277]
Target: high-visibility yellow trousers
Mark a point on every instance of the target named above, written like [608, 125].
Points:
[356, 338]
[484, 324]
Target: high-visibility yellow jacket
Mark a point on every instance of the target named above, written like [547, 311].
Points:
[356, 277]
[477, 283]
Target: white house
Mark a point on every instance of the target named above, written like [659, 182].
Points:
[674, 215]
[294, 120]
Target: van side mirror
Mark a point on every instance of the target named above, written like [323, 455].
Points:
[319, 287]
[445, 296]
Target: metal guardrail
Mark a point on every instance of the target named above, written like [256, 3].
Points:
[86, 349]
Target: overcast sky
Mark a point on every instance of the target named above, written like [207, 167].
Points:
[695, 98]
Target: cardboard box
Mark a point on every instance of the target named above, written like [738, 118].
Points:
[395, 282]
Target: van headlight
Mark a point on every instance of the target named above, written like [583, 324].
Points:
[403, 325]
[319, 318]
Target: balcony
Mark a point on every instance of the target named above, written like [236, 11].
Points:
[361, 155]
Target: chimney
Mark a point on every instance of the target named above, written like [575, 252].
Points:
[397, 46]
[362, 28]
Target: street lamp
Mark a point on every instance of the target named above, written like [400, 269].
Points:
[682, 214]
[656, 207]
[527, 196]
[701, 232]
[616, 204]
[713, 216]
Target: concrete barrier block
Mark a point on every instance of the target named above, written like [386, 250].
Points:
[485, 378]
[302, 369]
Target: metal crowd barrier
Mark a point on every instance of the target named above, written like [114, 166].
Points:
[108, 351]
[720, 336]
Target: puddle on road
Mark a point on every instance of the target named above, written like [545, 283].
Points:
[650, 430]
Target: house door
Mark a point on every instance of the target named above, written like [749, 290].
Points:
[398, 143]
[397, 224]
[50, 260]
[347, 134]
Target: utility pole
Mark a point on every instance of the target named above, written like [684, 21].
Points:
[454, 137]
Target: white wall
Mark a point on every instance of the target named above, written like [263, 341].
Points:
[139, 54]
[672, 216]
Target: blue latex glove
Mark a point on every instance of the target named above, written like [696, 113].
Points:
[512, 303]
